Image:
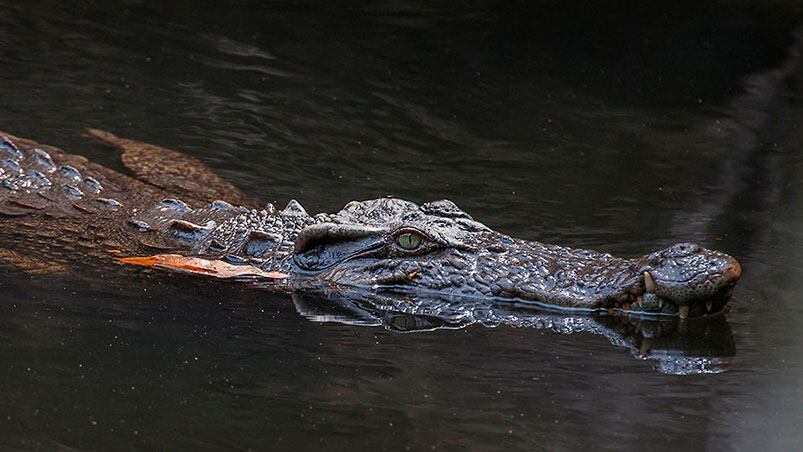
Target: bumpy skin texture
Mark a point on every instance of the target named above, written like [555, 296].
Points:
[461, 256]
[51, 201]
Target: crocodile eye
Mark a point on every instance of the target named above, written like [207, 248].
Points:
[409, 240]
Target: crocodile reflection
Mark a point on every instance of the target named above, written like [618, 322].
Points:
[384, 261]
[677, 346]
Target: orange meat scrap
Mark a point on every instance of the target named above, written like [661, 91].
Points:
[196, 265]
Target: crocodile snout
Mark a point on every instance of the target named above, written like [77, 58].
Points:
[733, 272]
[694, 279]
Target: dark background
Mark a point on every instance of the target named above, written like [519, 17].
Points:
[619, 126]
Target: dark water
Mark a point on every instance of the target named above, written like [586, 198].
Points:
[618, 127]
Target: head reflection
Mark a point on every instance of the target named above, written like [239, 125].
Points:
[679, 347]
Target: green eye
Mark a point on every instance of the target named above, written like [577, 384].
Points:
[409, 240]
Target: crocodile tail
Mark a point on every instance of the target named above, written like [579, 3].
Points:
[176, 173]
[103, 136]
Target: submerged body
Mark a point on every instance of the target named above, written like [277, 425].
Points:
[58, 210]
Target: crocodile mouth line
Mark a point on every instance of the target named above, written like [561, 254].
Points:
[394, 283]
[644, 297]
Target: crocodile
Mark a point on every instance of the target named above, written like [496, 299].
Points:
[62, 212]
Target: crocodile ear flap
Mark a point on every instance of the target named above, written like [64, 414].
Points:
[322, 245]
[173, 171]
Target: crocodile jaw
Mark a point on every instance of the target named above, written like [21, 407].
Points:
[681, 280]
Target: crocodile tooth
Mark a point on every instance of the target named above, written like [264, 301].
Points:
[640, 300]
[660, 303]
[709, 305]
[649, 283]
[683, 311]
[646, 345]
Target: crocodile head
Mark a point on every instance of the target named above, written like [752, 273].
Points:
[398, 245]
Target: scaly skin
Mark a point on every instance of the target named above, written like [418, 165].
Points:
[49, 198]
